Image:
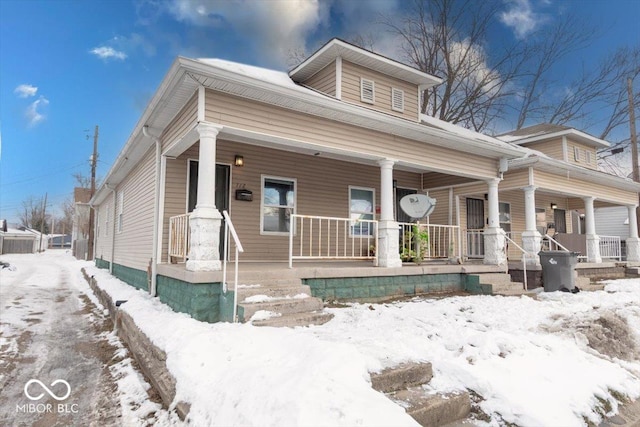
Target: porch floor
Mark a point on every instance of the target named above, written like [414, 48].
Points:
[320, 270]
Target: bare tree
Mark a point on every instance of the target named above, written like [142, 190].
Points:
[33, 216]
[448, 39]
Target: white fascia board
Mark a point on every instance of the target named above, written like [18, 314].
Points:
[561, 168]
[171, 79]
[583, 137]
[376, 120]
[337, 44]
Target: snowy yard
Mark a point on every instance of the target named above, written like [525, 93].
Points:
[561, 360]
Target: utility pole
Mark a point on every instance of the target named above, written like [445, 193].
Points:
[44, 206]
[94, 161]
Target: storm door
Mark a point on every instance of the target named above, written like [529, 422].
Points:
[475, 228]
[400, 193]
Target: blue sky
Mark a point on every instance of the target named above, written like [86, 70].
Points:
[66, 66]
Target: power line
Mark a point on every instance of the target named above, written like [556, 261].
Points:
[36, 178]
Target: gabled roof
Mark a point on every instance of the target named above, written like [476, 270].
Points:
[546, 131]
[277, 89]
[349, 52]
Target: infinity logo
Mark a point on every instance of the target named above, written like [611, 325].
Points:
[52, 394]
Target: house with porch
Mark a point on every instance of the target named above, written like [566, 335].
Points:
[304, 171]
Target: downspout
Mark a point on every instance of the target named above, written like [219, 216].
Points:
[156, 211]
[113, 228]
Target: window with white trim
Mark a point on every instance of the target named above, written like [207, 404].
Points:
[576, 154]
[397, 100]
[278, 204]
[120, 211]
[361, 207]
[367, 91]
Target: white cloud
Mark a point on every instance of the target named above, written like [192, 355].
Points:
[25, 91]
[276, 26]
[521, 18]
[107, 52]
[34, 114]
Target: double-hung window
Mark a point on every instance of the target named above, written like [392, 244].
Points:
[361, 209]
[278, 204]
[504, 210]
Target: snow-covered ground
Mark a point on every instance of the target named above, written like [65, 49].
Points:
[53, 327]
[561, 360]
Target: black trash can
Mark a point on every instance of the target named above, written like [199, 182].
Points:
[558, 270]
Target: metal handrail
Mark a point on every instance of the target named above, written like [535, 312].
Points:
[524, 258]
[230, 229]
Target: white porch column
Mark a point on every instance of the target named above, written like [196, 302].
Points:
[388, 229]
[593, 240]
[633, 242]
[494, 241]
[531, 238]
[205, 220]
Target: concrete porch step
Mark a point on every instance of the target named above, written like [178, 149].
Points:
[281, 291]
[632, 271]
[281, 306]
[401, 377]
[296, 319]
[268, 282]
[495, 278]
[433, 410]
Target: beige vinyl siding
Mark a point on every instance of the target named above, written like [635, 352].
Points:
[439, 180]
[568, 185]
[103, 241]
[262, 118]
[184, 121]
[552, 148]
[322, 190]
[582, 151]
[351, 75]
[324, 80]
[134, 244]
[440, 214]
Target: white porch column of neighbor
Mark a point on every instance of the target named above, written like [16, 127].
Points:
[494, 240]
[633, 242]
[388, 229]
[205, 220]
[531, 238]
[593, 240]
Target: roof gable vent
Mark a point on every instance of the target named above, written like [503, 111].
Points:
[397, 100]
[367, 91]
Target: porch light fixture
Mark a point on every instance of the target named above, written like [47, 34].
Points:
[239, 161]
[554, 206]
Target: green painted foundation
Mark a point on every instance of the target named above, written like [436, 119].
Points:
[134, 277]
[100, 263]
[371, 288]
[202, 301]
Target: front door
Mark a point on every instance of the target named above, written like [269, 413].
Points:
[475, 228]
[223, 175]
[560, 218]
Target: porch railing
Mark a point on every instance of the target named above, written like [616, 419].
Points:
[611, 247]
[551, 244]
[429, 241]
[331, 238]
[475, 243]
[179, 237]
[524, 253]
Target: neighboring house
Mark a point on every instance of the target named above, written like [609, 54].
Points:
[16, 241]
[340, 137]
[59, 241]
[80, 232]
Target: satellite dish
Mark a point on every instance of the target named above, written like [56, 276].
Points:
[417, 206]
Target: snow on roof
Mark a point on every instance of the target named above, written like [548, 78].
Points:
[17, 231]
[458, 130]
[279, 78]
